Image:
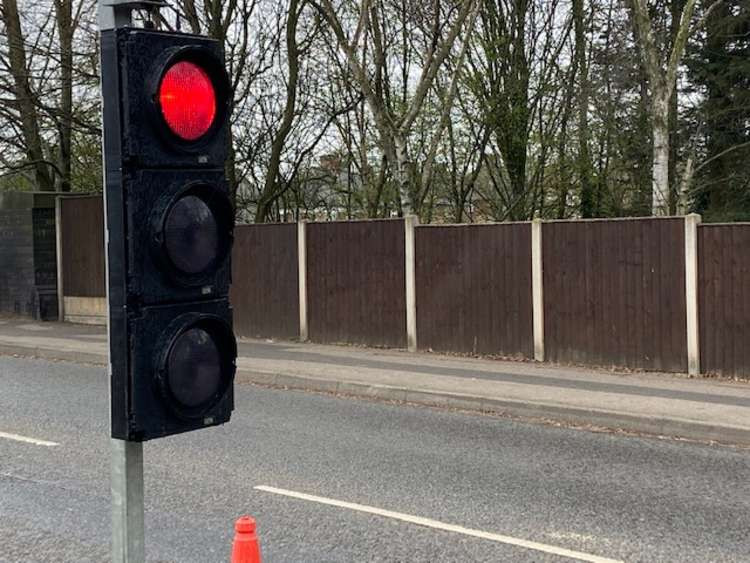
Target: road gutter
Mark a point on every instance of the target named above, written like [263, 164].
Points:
[526, 410]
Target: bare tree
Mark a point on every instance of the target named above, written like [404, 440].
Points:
[514, 78]
[270, 186]
[589, 203]
[662, 79]
[43, 62]
[24, 101]
[394, 124]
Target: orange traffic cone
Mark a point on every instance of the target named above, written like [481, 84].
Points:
[245, 547]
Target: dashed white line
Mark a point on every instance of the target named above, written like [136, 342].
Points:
[27, 440]
[429, 523]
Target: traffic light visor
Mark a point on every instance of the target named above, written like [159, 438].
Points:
[187, 99]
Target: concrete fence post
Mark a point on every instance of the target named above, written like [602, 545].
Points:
[537, 292]
[302, 273]
[59, 256]
[691, 293]
[410, 224]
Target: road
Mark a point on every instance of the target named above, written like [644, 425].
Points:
[604, 496]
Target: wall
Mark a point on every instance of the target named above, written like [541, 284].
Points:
[17, 260]
[28, 277]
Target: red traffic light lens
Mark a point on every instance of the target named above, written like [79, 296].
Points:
[188, 100]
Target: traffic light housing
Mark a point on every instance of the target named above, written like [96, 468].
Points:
[166, 102]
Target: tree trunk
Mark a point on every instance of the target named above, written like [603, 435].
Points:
[518, 145]
[588, 204]
[662, 82]
[660, 172]
[562, 146]
[64, 13]
[672, 126]
[270, 188]
[643, 149]
[24, 98]
[403, 176]
[675, 8]
[685, 183]
[373, 203]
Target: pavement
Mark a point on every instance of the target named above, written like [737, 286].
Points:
[650, 403]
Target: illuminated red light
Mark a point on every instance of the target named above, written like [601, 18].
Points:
[188, 100]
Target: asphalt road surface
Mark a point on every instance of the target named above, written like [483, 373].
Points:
[349, 480]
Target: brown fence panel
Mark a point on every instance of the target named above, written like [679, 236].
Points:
[82, 224]
[474, 289]
[356, 282]
[614, 293]
[265, 281]
[724, 299]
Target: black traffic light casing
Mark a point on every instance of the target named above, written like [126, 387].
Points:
[169, 235]
[156, 411]
[153, 275]
[145, 55]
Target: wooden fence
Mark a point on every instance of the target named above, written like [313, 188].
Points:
[473, 288]
[81, 253]
[265, 292]
[356, 282]
[625, 293]
[724, 299]
[614, 293]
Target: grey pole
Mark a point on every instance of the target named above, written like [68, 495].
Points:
[128, 533]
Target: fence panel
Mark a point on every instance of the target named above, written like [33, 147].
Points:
[82, 224]
[356, 282]
[724, 299]
[474, 289]
[265, 278]
[614, 293]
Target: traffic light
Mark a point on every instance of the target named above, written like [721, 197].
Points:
[166, 100]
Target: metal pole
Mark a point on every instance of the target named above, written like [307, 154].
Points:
[128, 532]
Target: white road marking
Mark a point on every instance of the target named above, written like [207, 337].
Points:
[429, 523]
[27, 440]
